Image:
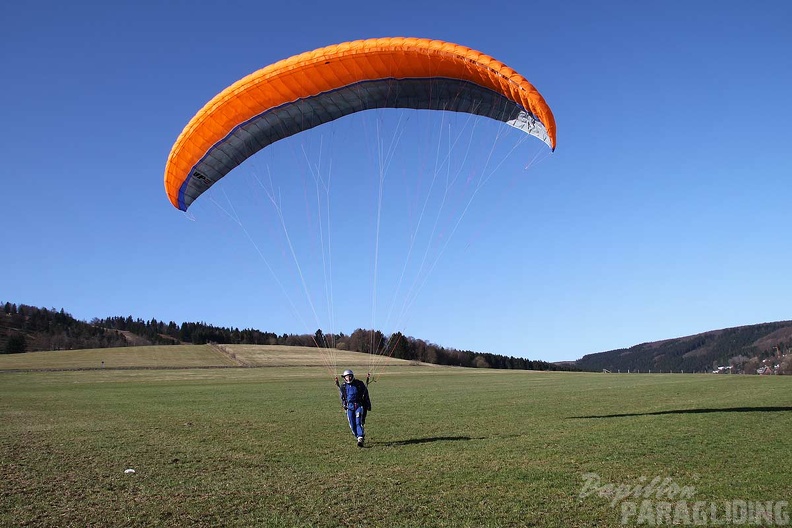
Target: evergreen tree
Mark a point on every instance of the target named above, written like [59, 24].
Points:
[16, 344]
[319, 339]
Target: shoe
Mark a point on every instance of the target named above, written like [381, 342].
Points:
[360, 441]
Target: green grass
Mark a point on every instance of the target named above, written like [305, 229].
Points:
[446, 447]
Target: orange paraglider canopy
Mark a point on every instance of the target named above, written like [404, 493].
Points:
[319, 86]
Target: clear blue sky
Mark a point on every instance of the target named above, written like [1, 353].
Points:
[665, 210]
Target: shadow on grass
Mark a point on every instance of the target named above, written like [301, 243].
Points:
[413, 441]
[691, 411]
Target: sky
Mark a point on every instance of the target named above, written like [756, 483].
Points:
[663, 212]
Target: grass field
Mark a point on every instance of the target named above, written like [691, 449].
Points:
[114, 358]
[446, 447]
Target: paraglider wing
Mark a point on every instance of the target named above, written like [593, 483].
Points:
[316, 87]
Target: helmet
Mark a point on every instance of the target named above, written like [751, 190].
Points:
[348, 372]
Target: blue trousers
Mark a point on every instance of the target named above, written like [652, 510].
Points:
[357, 419]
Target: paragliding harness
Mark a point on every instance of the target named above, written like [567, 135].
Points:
[344, 403]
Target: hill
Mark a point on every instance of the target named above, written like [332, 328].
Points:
[739, 349]
[193, 357]
[26, 328]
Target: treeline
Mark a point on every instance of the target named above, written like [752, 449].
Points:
[366, 341]
[162, 333]
[26, 329]
[409, 348]
[29, 328]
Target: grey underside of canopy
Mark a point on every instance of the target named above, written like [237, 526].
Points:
[294, 117]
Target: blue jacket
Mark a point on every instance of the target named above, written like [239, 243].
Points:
[355, 394]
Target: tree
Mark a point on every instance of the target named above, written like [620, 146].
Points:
[480, 362]
[398, 347]
[737, 362]
[16, 344]
[786, 365]
[751, 366]
[319, 339]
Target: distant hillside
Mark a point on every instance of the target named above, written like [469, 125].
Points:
[744, 348]
[26, 328]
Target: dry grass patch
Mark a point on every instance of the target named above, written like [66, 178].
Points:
[291, 356]
[175, 356]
